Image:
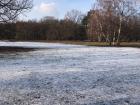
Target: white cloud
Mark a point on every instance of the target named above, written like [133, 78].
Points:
[46, 8]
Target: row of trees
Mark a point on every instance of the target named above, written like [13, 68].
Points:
[109, 21]
[48, 28]
[113, 21]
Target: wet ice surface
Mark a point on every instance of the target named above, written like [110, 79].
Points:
[69, 75]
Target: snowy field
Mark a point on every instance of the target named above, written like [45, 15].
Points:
[60, 74]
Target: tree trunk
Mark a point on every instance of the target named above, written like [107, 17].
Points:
[114, 38]
[119, 31]
[99, 38]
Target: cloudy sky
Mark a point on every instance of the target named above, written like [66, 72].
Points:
[57, 8]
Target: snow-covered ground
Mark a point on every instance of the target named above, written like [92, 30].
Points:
[35, 45]
[63, 74]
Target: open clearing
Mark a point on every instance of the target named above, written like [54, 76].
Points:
[64, 74]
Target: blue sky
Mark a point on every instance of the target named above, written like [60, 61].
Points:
[57, 8]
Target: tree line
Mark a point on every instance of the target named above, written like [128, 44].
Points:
[114, 21]
[47, 28]
[110, 21]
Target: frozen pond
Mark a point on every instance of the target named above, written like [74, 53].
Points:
[60, 74]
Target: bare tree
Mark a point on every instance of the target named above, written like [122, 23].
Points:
[108, 18]
[124, 10]
[10, 9]
[74, 16]
[95, 25]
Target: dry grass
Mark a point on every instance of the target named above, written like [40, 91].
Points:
[100, 44]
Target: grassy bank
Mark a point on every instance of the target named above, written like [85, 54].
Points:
[100, 44]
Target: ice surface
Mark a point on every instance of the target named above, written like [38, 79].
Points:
[35, 45]
[62, 74]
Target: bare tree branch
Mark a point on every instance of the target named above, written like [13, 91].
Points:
[10, 9]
